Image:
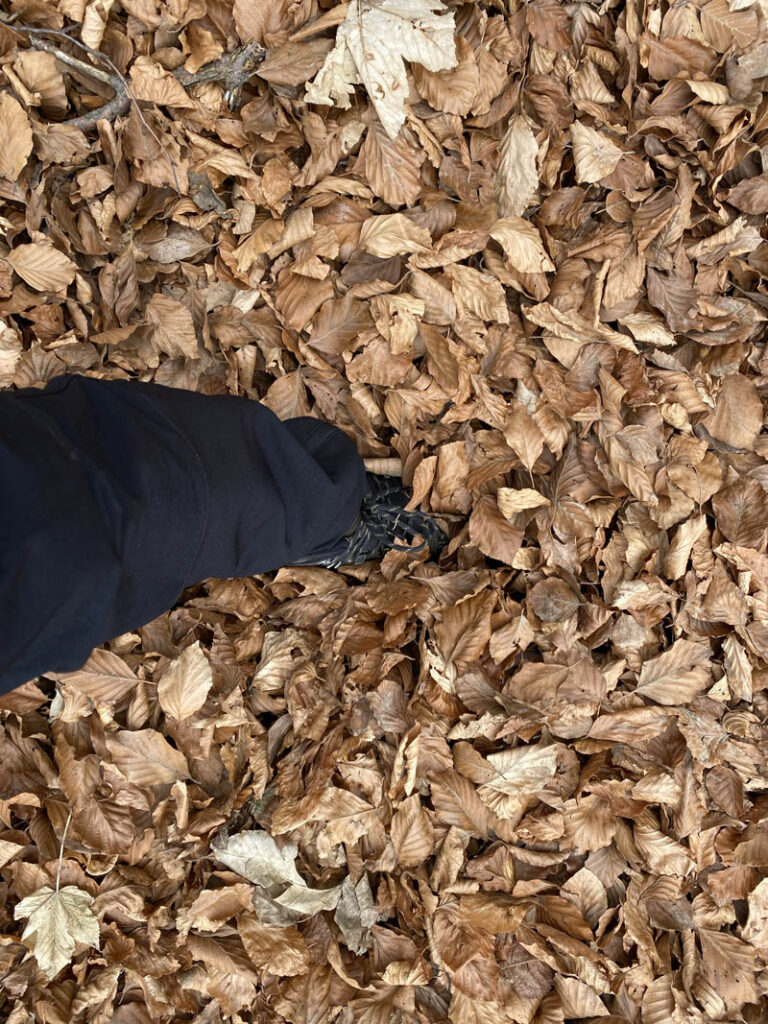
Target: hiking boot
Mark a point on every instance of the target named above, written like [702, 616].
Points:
[382, 524]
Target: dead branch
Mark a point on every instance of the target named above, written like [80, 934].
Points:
[233, 70]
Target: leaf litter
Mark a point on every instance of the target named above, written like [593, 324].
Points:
[516, 252]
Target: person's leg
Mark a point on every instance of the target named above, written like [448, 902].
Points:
[115, 495]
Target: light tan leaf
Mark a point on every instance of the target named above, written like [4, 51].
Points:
[95, 22]
[677, 675]
[663, 854]
[173, 327]
[58, 920]
[573, 327]
[201, 46]
[590, 824]
[307, 902]
[521, 774]
[255, 855]
[456, 803]
[512, 501]
[39, 73]
[738, 416]
[750, 195]
[647, 327]
[523, 435]
[412, 833]
[729, 966]
[738, 669]
[710, 92]
[577, 999]
[356, 913]
[258, 20]
[15, 137]
[42, 266]
[517, 179]
[679, 552]
[392, 167]
[755, 931]
[553, 600]
[185, 684]
[372, 44]
[392, 234]
[523, 246]
[594, 153]
[212, 908]
[146, 758]
[479, 293]
[10, 353]
[154, 84]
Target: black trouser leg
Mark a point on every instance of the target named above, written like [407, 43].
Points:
[115, 495]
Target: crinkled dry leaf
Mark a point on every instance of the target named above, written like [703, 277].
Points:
[371, 46]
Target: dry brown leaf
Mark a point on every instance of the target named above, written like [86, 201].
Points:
[412, 833]
[453, 91]
[517, 178]
[553, 601]
[42, 266]
[173, 328]
[595, 154]
[738, 415]
[537, 761]
[152, 83]
[185, 684]
[15, 137]
[146, 758]
[677, 675]
[523, 245]
[393, 234]
[523, 435]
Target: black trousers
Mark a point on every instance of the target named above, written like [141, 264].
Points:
[116, 495]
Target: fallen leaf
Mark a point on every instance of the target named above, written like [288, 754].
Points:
[57, 921]
[371, 46]
[42, 266]
[185, 684]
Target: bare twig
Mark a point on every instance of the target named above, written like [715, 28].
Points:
[233, 70]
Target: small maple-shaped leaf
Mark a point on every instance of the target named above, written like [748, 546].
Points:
[371, 46]
[58, 920]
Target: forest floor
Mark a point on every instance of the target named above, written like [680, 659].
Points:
[517, 251]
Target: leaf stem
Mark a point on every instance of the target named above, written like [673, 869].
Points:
[61, 851]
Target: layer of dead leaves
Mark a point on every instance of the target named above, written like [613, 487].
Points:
[521, 249]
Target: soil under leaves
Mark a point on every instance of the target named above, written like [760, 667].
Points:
[523, 786]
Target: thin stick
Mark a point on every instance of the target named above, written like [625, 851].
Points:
[234, 69]
[61, 851]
